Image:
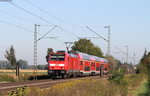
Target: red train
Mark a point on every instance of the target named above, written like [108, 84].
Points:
[75, 64]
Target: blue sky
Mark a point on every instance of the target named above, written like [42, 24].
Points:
[129, 21]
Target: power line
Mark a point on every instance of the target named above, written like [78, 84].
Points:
[88, 37]
[16, 26]
[43, 19]
[47, 33]
[34, 5]
[15, 16]
[68, 32]
[32, 14]
[43, 10]
[125, 53]
[96, 33]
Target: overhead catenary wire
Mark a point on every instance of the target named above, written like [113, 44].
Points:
[124, 52]
[47, 33]
[16, 26]
[74, 35]
[32, 14]
[34, 5]
[44, 19]
[59, 19]
[4, 12]
[96, 33]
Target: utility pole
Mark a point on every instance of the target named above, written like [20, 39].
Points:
[134, 58]
[108, 40]
[127, 54]
[35, 51]
[35, 46]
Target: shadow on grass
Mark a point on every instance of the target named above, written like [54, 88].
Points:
[40, 77]
[147, 93]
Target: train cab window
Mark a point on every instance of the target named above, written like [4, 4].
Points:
[57, 57]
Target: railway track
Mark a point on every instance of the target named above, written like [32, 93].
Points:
[12, 86]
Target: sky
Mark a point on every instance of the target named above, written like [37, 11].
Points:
[129, 21]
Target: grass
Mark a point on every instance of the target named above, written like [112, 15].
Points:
[144, 89]
[10, 76]
[135, 81]
[7, 78]
[22, 71]
[89, 87]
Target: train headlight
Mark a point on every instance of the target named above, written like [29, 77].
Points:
[51, 68]
[62, 68]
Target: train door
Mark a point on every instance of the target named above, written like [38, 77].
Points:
[81, 65]
[105, 68]
[97, 67]
[92, 65]
[87, 67]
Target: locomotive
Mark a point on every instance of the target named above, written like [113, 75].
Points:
[67, 64]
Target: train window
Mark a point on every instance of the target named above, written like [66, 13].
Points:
[86, 68]
[97, 68]
[72, 55]
[57, 57]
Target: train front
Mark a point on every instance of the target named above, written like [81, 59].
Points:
[57, 66]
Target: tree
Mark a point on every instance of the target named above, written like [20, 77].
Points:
[113, 62]
[144, 65]
[145, 61]
[42, 67]
[23, 64]
[10, 56]
[5, 64]
[49, 50]
[86, 46]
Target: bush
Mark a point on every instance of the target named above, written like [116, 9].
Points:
[117, 77]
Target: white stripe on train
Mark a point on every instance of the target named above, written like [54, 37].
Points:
[57, 64]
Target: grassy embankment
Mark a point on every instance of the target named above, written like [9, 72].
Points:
[10, 76]
[88, 87]
[136, 84]
[144, 89]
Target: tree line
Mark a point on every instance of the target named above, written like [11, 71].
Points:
[86, 46]
[82, 45]
[12, 62]
[144, 65]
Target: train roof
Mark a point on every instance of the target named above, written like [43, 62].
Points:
[85, 56]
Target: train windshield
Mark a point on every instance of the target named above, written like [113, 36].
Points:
[57, 57]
